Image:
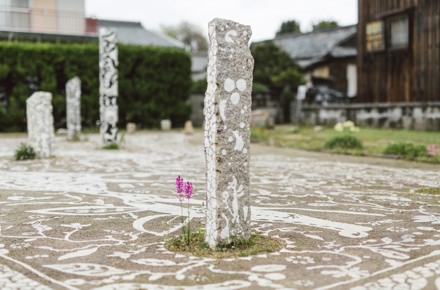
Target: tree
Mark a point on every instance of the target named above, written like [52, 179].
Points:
[325, 24]
[190, 34]
[277, 71]
[289, 27]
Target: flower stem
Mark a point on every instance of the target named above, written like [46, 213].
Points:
[181, 218]
[189, 225]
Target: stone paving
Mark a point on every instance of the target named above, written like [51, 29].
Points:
[97, 219]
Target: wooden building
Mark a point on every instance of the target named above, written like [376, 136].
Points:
[327, 57]
[399, 51]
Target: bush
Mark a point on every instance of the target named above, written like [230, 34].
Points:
[259, 135]
[344, 142]
[154, 83]
[406, 150]
[25, 152]
[199, 87]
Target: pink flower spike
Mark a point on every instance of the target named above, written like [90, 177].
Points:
[179, 184]
[188, 190]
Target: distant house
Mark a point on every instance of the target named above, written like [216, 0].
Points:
[399, 51]
[327, 57]
[65, 20]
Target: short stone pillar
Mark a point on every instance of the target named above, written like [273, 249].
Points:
[188, 128]
[108, 85]
[131, 128]
[40, 123]
[227, 132]
[73, 108]
[165, 125]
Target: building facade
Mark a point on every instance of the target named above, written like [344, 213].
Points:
[399, 51]
[43, 16]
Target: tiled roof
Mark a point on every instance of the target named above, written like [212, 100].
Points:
[309, 48]
[135, 33]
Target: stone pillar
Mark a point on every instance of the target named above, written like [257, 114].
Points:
[227, 132]
[40, 123]
[73, 108]
[108, 85]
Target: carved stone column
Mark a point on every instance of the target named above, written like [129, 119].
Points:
[227, 132]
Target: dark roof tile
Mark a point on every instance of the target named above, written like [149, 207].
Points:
[134, 33]
[311, 47]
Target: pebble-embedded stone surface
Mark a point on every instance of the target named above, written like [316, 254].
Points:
[97, 219]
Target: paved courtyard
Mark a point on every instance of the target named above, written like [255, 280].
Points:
[97, 219]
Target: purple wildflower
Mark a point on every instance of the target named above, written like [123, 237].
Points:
[188, 190]
[180, 188]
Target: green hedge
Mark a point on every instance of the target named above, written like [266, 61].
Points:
[154, 83]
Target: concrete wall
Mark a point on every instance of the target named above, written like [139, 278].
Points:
[417, 116]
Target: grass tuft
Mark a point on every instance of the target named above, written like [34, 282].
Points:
[111, 146]
[344, 142]
[406, 150]
[25, 152]
[238, 248]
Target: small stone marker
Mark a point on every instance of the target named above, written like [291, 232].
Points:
[227, 132]
[165, 125]
[40, 123]
[73, 108]
[108, 85]
[131, 128]
[188, 129]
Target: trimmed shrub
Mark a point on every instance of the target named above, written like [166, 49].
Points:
[344, 142]
[25, 152]
[406, 150]
[154, 82]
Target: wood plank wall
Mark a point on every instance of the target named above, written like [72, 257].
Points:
[406, 75]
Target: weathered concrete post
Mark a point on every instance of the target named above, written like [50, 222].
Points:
[227, 132]
[40, 123]
[73, 108]
[108, 85]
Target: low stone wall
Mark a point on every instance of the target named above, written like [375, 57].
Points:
[417, 116]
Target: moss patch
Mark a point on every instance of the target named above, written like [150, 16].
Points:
[111, 146]
[241, 248]
[429, 190]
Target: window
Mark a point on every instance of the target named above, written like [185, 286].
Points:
[375, 36]
[399, 32]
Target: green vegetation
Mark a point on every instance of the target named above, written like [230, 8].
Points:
[429, 190]
[343, 142]
[289, 26]
[111, 146]
[239, 248]
[191, 35]
[25, 152]
[154, 83]
[259, 135]
[405, 150]
[323, 24]
[276, 73]
[199, 87]
[374, 140]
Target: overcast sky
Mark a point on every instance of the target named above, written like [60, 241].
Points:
[264, 16]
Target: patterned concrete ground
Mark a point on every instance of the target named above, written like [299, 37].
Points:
[96, 219]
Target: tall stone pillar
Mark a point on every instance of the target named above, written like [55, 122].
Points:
[73, 108]
[40, 123]
[227, 132]
[108, 85]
